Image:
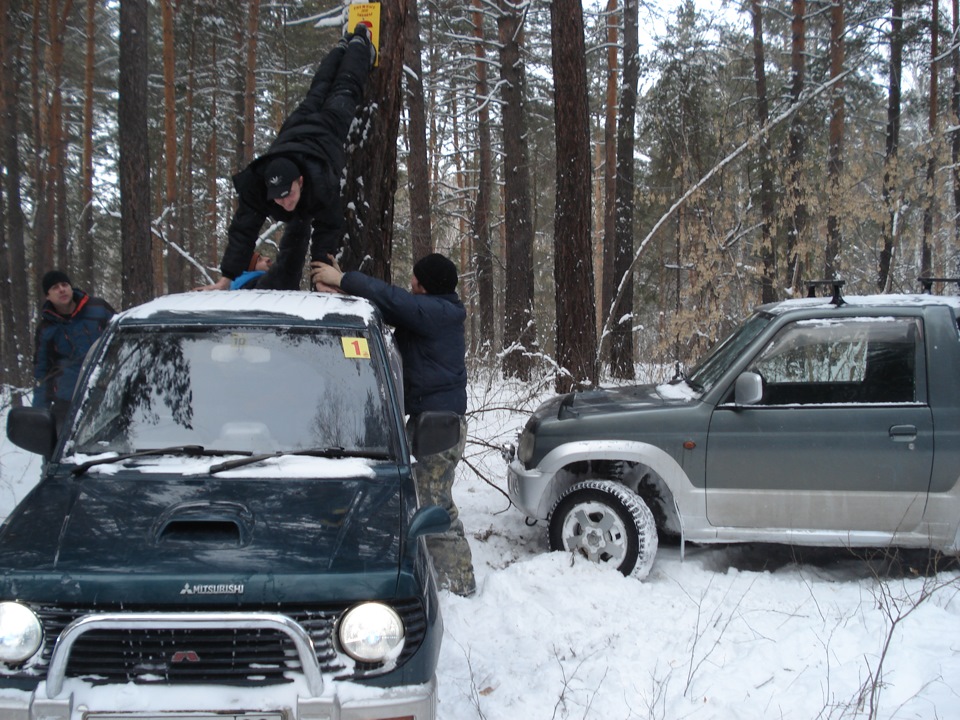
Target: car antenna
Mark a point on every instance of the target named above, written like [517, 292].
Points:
[836, 286]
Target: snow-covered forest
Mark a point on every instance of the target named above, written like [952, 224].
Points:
[712, 155]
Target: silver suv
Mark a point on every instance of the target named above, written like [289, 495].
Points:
[830, 422]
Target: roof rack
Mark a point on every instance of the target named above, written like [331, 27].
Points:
[927, 283]
[835, 285]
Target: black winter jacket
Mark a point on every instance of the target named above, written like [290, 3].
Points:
[313, 138]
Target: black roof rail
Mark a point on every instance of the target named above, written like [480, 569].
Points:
[835, 285]
[926, 283]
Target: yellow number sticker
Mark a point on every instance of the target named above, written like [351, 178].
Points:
[356, 348]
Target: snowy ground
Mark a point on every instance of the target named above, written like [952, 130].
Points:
[736, 632]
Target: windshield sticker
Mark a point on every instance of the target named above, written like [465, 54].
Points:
[356, 348]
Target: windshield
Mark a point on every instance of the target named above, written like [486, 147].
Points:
[241, 389]
[725, 353]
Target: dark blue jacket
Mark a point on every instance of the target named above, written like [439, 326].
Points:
[430, 337]
[61, 343]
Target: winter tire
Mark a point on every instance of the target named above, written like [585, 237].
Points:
[607, 523]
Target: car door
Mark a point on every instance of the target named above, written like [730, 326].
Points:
[842, 439]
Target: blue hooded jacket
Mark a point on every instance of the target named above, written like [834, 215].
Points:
[61, 343]
[430, 337]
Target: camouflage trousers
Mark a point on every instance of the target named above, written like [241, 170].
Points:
[450, 551]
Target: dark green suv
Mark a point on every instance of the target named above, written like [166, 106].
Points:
[229, 505]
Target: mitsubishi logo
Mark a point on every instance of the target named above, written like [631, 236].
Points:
[182, 656]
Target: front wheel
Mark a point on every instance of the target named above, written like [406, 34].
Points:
[607, 523]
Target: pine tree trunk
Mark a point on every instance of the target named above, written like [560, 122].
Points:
[835, 162]
[171, 223]
[608, 283]
[418, 174]
[134, 154]
[481, 209]
[519, 327]
[768, 252]
[16, 304]
[955, 135]
[85, 239]
[796, 232]
[621, 346]
[926, 254]
[372, 166]
[890, 169]
[573, 258]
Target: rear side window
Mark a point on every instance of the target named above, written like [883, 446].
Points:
[850, 360]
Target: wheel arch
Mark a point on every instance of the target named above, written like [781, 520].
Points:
[566, 466]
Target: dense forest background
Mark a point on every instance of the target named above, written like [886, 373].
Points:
[618, 183]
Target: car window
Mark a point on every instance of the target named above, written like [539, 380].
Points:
[243, 388]
[850, 360]
[727, 352]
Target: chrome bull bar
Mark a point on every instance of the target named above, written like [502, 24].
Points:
[56, 672]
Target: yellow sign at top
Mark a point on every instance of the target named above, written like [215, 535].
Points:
[367, 14]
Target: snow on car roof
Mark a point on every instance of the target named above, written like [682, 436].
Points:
[311, 306]
[866, 301]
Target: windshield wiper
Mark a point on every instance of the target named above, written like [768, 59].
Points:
[191, 450]
[330, 452]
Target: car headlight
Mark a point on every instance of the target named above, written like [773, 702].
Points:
[525, 447]
[371, 632]
[20, 633]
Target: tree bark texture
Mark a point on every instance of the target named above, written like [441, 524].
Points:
[621, 345]
[835, 163]
[171, 224]
[134, 154]
[16, 304]
[926, 257]
[573, 258]
[372, 166]
[519, 327]
[890, 169]
[481, 209]
[955, 135]
[418, 173]
[768, 253]
[608, 281]
[796, 232]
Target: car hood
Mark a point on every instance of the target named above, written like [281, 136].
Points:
[604, 401]
[204, 537]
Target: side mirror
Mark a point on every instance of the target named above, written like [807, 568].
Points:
[434, 432]
[749, 389]
[429, 520]
[33, 429]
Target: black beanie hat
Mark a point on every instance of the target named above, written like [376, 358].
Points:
[52, 278]
[437, 274]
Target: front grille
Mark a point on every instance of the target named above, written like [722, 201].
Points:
[247, 657]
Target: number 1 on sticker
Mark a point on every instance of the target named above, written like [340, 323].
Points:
[356, 348]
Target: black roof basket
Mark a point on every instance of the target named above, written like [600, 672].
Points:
[926, 283]
[835, 285]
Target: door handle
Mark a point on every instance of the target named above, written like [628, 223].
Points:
[903, 433]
